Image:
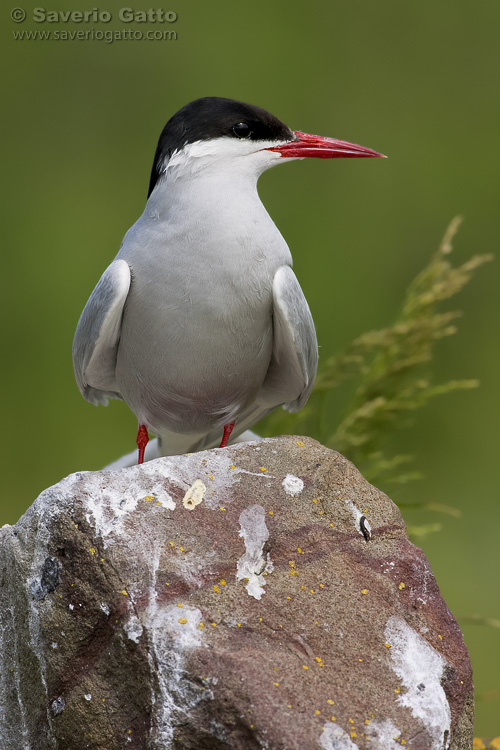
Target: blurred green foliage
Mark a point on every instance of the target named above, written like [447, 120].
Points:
[416, 81]
[387, 367]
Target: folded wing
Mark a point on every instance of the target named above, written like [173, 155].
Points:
[97, 336]
[294, 361]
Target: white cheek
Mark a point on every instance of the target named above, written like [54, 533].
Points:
[223, 154]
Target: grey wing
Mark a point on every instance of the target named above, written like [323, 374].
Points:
[294, 360]
[97, 336]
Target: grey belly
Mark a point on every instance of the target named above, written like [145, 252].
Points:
[193, 361]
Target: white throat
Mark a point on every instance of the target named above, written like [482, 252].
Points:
[208, 195]
[210, 178]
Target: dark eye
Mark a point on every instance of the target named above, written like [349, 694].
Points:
[242, 130]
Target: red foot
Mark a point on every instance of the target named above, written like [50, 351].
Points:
[142, 440]
[228, 428]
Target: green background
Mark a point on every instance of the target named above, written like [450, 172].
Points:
[417, 81]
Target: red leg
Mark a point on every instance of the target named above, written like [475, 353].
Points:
[228, 428]
[142, 440]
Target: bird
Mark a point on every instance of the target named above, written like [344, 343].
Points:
[199, 324]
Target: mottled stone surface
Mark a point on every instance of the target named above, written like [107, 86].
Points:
[231, 599]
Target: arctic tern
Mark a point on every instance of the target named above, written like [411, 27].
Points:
[199, 324]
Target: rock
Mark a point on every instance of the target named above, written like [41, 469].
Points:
[229, 599]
